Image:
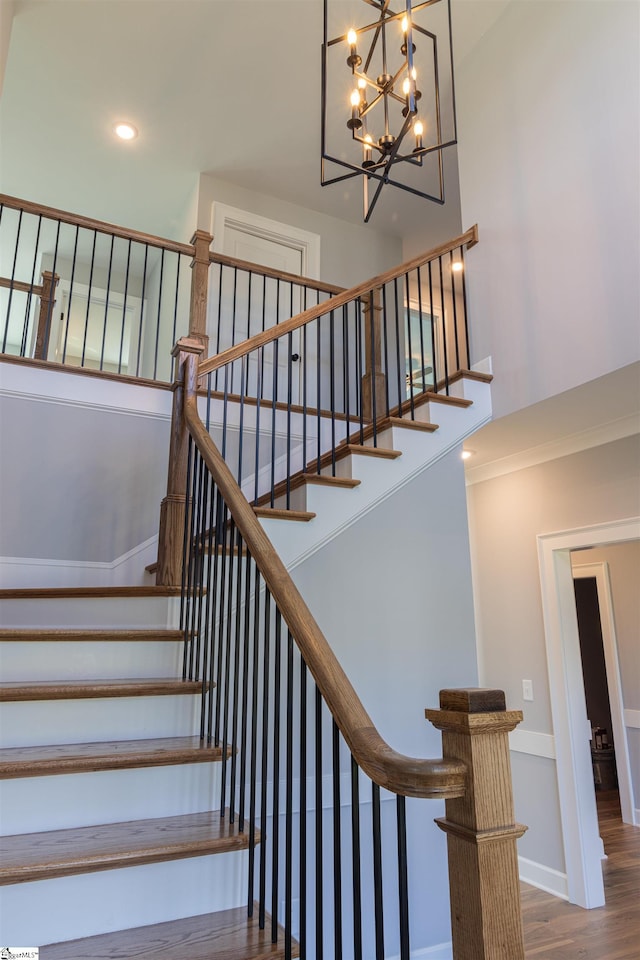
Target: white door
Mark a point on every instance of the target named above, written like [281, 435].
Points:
[244, 304]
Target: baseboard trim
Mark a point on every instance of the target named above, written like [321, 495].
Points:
[533, 743]
[544, 878]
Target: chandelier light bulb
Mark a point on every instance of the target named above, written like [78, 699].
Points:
[405, 24]
[352, 37]
[367, 149]
[362, 83]
[406, 87]
[355, 98]
[418, 128]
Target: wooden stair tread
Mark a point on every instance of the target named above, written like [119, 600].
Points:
[62, 853]
[93, 689]
[60, 634]
[54, 593]
[430, 397]
[43, 761]
[277, 513]
[327, 481]
[227, 935]
[383, 452]
[411, 424]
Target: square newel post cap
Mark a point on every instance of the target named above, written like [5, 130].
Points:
[188, 345]
[473, 700]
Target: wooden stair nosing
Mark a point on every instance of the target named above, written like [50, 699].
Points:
[278, 513]
[68, 852]
[321, 479]
[18, 691]
[58, 634]
[404, 424]
[55, 593]
[67, 758]
[383, 452]
[226, 935]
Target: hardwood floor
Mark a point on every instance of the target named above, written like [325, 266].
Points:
[556, 930]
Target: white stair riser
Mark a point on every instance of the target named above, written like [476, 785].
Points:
[90, 612]
[86, 660]
[33, 804]
[31, 723]
[49, 911]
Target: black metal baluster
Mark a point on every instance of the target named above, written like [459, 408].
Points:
[175, 303]
[403, 887]
[13, 277]
[236, 679]
[215, 560]
[254, 741]
[86, 318]
[47, 332]
[244, 373]
[195, 550]
[209, 614]
[219, 327]
[275, 811]
[199, 672]
[455, 309]
[160, 288]
[401, 392]
[378, 898]
[410, 346]
[372, 371]
[445, 350]
[245, 687]
[273, 420]
[288, 867]
[68, 317]
[345, 364]
[302, 817]
[423, 380]
[337, 845]
[304, 389]
[289, 401]
[227, 658]
[221, 548]
[142, 302]
[233, 320]
[433, 332]
[106, 304]
[318, 393]
[355, 861]
[332, 389]
[464, 310]
[319, 843]
[25, 329]
[188, 629]
[359, 347]
[385, 340]
[124, 311]
[265, 761]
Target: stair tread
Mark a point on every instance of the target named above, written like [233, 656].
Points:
[227, 935]
[324, 480]
[383, 452]
[411, 424]
[276, 513]
[90, 633]
[61, 853]
[42, 761]
[89, 689]
[53, 593]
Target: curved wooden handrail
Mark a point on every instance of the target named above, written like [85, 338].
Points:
[404, 775]
[88, 223]
[275, 274]
[468, 239]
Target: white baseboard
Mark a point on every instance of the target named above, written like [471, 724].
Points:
[534, 743]
[544, 878]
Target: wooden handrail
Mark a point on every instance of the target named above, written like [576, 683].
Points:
[20, 286]
[468, 239]
[275, 274]
[404, 775]
[76, 220]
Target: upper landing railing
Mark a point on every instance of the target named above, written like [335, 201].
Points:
[89, 294]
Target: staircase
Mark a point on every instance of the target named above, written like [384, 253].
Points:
[110, 847]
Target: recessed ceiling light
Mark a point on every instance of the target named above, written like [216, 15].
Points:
[466, 454]
[126, 131]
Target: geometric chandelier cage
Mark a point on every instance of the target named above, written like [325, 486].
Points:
[388, 95]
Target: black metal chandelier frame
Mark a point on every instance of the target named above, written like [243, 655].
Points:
[388, 147]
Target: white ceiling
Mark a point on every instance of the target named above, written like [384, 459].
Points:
[227, 87]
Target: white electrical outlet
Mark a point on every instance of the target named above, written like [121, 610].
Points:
[527, 689]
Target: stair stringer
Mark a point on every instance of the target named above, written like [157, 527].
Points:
[338, 509]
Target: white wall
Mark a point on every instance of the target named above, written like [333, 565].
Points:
[549, 115]
[506, 515]
[349, 252]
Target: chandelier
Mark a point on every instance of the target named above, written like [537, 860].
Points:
[396, 84]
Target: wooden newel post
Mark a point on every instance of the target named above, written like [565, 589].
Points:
[374, 383]
[174, 505]
[45, 316]
[486, 918]
[201, 241]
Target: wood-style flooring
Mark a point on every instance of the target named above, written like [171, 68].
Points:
[556, 930]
